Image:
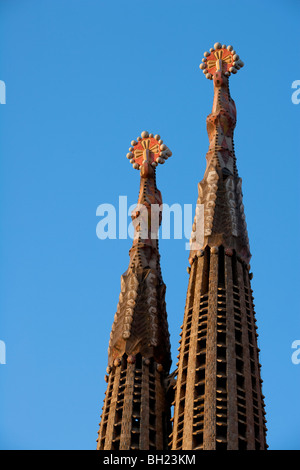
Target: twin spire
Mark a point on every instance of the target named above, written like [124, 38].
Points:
[137, 411]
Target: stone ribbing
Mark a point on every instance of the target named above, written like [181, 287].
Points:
[260, 428]
[231, 359]
[109, 410]
[246, 417]
[209, 434]
[136, 413]
[176, 438]
[218, 402]
[127, 425]
[191, 382]
[145, 408]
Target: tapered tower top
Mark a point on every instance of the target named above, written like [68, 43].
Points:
[140, 324]
[220, 191]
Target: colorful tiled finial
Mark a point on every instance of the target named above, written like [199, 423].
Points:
[148, 148]
[220, 59]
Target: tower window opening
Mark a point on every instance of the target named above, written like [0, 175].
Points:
[221, 367]
[221, 352]
[136, 422]
[221, 383]
[239, 350]
[221, 431]
[242, 444]
[200, 375]
[138, 363]
[152, 404]
[242, 429]
[206, 267]
[239, 365]
[199, 389]
[198, 440]
[238, 336]
[201, 359]
[201, 345]
[240, 381]
[135, 440]
[221, 337]
[221, 445]
[221, 267]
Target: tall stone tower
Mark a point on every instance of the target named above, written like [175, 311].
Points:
[218, 395]
[136, 414]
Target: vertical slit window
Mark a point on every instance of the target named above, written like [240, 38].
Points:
[205, 278]
[221, 268]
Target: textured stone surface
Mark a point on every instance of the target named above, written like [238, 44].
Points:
[219, 339]
[136, 412]
[218, 401]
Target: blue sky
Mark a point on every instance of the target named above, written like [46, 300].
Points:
[83, 78]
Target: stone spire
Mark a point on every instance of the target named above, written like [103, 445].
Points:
[220, 191]
[135, 413]
[218, 397]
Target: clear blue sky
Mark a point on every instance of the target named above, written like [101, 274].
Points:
[83, 79]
